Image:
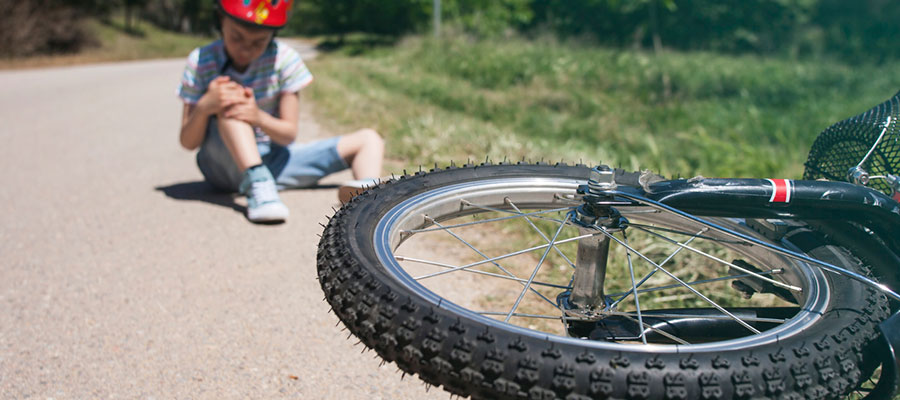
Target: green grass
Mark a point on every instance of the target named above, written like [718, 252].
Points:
[678, 113]
[115, 43]
[144, 40]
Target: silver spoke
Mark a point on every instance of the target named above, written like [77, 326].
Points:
[702, 281]
[659, 331]
[706, 299]
[521, 315]
[515, 253]
[712, 257]
[469, 245]
[650, 274]
[486, 221]
[558, 251]
[517, 212]
[475, 271]
[637, 303]
[710, 238]
[538, 267]
[776, 249]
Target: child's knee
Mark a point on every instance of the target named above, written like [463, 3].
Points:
[372, 138]
[362, 140]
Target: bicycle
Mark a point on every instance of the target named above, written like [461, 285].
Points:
[636, 286]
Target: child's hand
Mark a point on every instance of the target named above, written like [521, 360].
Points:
[244, 110]
[221, 94]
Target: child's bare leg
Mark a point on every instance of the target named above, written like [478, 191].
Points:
[241, 142]
[258, 184]
[364, 151]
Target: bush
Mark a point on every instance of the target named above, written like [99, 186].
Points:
[41, 27]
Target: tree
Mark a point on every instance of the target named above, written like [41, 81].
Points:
[482, 17]
[489, 17]
[44, 26]
[859, 31]
[370, 16]
[865, 29]
[130, 7]
[188, 16]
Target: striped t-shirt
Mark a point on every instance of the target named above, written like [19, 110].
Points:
[278, 70]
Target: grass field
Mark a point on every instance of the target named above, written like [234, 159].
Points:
[677, 113]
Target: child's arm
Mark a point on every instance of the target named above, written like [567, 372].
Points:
[283, 129]
[222, 93]
[193, 126]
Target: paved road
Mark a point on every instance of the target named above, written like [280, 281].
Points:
[123, 276]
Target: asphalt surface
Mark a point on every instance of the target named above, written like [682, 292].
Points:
[122, 275]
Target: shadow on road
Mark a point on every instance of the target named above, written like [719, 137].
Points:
[201, 191]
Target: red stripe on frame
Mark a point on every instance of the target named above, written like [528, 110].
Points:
[781, 191]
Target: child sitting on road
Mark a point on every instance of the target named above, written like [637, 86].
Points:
[241, 107]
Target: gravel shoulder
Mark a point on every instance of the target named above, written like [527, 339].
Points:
[125, 276]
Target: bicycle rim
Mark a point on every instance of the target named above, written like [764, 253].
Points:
[520, 201]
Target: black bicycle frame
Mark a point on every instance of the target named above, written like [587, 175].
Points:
[783, 199]
[805, 200]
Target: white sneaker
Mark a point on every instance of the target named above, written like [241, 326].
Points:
[351, 189]
[263, 203]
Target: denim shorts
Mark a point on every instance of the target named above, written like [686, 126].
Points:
[296, 165]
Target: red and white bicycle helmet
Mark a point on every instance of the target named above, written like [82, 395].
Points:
[263, 13]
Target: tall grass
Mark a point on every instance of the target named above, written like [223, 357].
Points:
[676, 113]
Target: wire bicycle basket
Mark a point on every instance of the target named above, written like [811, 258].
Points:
[863, 149]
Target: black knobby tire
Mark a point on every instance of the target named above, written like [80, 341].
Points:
[460, 352]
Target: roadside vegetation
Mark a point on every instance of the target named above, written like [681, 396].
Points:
[113, 41]
[679, 113]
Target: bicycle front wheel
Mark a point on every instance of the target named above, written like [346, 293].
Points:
[464, 276]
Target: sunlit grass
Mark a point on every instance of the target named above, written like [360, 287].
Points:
[678, 114]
